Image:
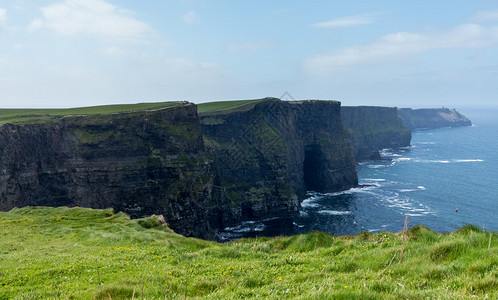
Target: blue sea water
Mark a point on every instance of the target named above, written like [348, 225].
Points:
[447, 178]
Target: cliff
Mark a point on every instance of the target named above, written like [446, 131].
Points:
[374, 128]
[268, 153]
[142, 163]
[432, 118]
[252, 161]
[230, 162]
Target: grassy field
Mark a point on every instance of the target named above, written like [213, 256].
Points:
[29, 115]
[77, 253]
[33, 115]
[227, 106]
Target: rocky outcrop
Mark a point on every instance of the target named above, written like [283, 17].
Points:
[266, 155]
[432, 118]
[373, 128]
[142, 163]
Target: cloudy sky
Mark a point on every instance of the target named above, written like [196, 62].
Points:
[67, 53]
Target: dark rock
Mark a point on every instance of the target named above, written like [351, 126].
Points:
[373, 128]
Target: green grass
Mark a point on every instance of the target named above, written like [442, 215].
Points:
[31, 115]
[227, 106]
[78, 253]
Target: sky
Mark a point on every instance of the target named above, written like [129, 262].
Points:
[72, 53]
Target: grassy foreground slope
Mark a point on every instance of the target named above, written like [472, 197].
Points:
[79, 253]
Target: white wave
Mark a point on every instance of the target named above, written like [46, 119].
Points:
[447, 161]
[298, 225]
[369, 185]
[310, 202]
[376, 166]
[247, 226]
[303, 214]
[429, 161]
[355, 190]
[421, 187]
[405, 204]
[407, 190]
[373, 230]
[402, 159]
[374, 179]
[427, 143]
[468, 160]
[334, 212]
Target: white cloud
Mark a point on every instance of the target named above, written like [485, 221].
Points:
[186, 65]
[251, 46]
[345, 22]
[112, 50]
[402, 44]
[35, 25]
[284, 10]
[93, 17]
[17, 46]
[19, 5]
[191, 18]
[487, 15]
[3, 17]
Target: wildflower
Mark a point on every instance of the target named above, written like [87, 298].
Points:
[279, 277]
[345, 286]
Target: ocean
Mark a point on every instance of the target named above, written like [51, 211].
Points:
[444, 180]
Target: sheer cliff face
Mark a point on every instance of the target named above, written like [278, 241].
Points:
[374, 128]
[266, 157]
[432, 118]
[250, 163]
[140, 163]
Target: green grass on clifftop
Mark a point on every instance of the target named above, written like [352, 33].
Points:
[24, 115]
[78, 253]
[227, 106]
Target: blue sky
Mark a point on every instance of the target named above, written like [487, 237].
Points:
[68, 53]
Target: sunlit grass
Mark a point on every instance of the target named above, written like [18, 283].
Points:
[64, 253]
[31, 115]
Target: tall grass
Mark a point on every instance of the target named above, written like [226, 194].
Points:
[77, 253]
